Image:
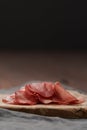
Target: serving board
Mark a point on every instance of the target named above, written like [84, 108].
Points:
[64, 111]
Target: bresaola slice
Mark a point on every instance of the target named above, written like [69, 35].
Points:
[64, 96]
[9, 99]
[21, 98]
[45, 89]
[42, 92]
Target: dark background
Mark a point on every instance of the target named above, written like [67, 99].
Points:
[39, 25]
[43, 25]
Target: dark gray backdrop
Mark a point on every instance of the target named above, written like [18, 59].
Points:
[40, 24]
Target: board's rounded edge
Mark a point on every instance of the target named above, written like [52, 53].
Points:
[64, 113]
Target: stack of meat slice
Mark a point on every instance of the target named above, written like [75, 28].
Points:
[42, 93]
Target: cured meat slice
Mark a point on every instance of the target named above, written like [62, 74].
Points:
[53, 100]
[31, 95]
[44, 100]
[9, 99]
[64, 96]
[21, 98]
[56, 100]
[42, 92]
[45, 89]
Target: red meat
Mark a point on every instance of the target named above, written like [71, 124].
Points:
[42, 92]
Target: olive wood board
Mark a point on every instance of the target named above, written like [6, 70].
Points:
[55, 110]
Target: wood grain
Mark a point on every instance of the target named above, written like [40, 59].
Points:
[64, 111]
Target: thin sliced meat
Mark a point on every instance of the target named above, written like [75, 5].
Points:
[22, 98]
[45, 89]
[28, 92]
[64, 96]
[9, 99]
[53, 100]
[31, 95]
[44, 100]
[42, 92]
